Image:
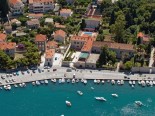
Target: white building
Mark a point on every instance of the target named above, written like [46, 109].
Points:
[38, 6]
[49, 57]
[59, 36]
[16, 7]
[66, 13]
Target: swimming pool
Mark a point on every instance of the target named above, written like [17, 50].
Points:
[88, 33]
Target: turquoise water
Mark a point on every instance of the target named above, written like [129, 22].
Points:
[88, 33]
[49, 100]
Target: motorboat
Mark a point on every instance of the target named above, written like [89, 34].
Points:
[68, 103]
[139, 103]
[102, 81]
[133, 82]
[62, 80]
[112, 82]
[46, 81]
[95, 81]
[77, 80]
[42, 81]
[1, 88]
[143, 83]
[98, 81]
[24, 85]
[37, 83]
[92, 88]
[9, 87]
[33, 83]
[139, 82]
[15, 85]
[73, 80]
[122, 82]
[132, 86]
[153, 82]
[85, 81]
[82, 80]
[118, 82]
[100, 98]
[148, 83]
[80, 92]
[130, 82]
[108, 81]
[68, 80]
[114, 95]
[54, 80]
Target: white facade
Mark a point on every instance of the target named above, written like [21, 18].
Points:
[65, 13]
[49, 61]
[77, 44]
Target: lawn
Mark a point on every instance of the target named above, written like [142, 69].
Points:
[18, 56]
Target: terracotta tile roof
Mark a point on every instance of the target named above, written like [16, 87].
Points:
[87, 45]
[33, 22]
[58, 25]
[114, 45]
[140, 34]
[9, 45]
[60, 32]
[40, 37]
[145, 38]
[37, 16]
[65, 11]
[2, 37]
[39, 1]
[50, 53]
[83, 38]
[51, 44]
[15, 1]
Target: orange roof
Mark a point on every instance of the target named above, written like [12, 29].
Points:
[51, 44]
[140, 34]
[2, 37]
[14, 1]
[87, 45]
[113, 45]
[39, 1]
[50, 53]
[60, 32]
[9, 45]
[40, 37]
[65, 11]
[83, 38]
[58, 25]
[37, 16]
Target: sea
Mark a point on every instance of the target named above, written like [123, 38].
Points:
[49, 100]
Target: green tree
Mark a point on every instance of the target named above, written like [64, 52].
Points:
[128, 65]
[83, 24]
[103, 56]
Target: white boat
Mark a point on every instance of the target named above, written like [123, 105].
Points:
[143, 83]
[122, 82]
[82, 80]
[139, 82]
[133, 82]
[132, 86]
[54, 80]
[95, 81]
[100, 98]
[130, 82]
[112, 82]
[15, 85]
[8, 87]
[42, 81]
[73, 80]
[60, 81]
[80, 92]
[24, 85]
[153, 82]
[46, 81]
[68, 103]
[114, 95]
[118, 82]
[85, 81]
[108, 81]
[33, 83]
[139, 103]
[98, 81]
[102, 81]
[77, 80]
[92, 88]
[68, 80]
[1, 88]
[37, 83]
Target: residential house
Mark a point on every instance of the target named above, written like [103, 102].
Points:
[66, 13]
[15, 21]
[60, 36]
[3, 37]
[40, 41]
[83, 43]
[8, 47]
[41, 6]
[33, 24]
[35, 16]
[51, 45]
[144, 39]
[59, 26]
[8, 29]
[119, 48]
[49, 21]
[49, 57]
[16, 7]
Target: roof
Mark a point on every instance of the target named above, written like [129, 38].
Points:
[51, 44]
[40, 37]
[37, 16]
[49, 20]
[145, 38]
[33, 22]
[84, 55]
[60, 32]
[15, 1]
[93, 58]
[87, 45]
[65, 11]
[113, 45]
[2, 37]
[58, 25]
[39, 1]
[140, 34]
[50, 53]
[83, 38]
[9, 45]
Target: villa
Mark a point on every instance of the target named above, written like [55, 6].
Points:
[51, 45]
[8, 47]
[35, 16]
[49, 57]
[60, 36]
[40, 41]
[3, 37]
[66, 13]
[33, 24]
[41, 6]
[16, 7]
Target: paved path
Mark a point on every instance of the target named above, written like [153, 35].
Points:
[151, 58]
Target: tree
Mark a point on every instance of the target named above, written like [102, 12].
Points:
[100, 37]
[112, 56]
[83, 24]
[112, 18]
[103, 56]
[152, 18]
[128, 65]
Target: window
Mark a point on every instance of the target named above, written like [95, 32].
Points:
[74, 42]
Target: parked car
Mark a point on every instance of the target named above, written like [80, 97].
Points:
[42, 70]
[14, 74]
[22, 72]
[28, 71]
[69, 70]
[46, 67]
[54, 69]
[33, 71]
[17, 73]
[39, 70]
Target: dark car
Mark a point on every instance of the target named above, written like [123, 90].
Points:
[54, 69]
[39, 70]
[33, 71]
[28, 71]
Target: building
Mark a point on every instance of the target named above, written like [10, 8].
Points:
[16, 7]
[35, 16]
[49, 21]
[3, 37]
[92, 60]
[33, 24]
[9, 48]
[8, 29]
[59, 26]
[49, 57]
[144, 39]
[41, 6]
[40, 41]
[83, 43]
[60, 36]
[51, 45]
[65, 13]
[70, 1]
[119, 48]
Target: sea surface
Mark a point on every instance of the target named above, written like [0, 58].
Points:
[49, 100]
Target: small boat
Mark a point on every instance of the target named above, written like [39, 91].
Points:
[85, 81]
[122, 82]
[42, 81]
[139, 82]
[100, 98]
[33, 83]
[68, 80]
[54, 80]
[73, 80]
[92, 88]
[1, 88]
[15, 85]
[112, 82]
[68, 103]
[46, 81]
[139, 103]
[153, 82]
[108, 81]
[98, 81]
[114, 95]
[133, 82]
[77, 80]
[118, 82]
[132, 86]
[130, 82]
[37, 83]
[102, 81]
[95, 81]
[24, 85]
[82, 80]
[80, 92]
[62, 80]
[8, 87]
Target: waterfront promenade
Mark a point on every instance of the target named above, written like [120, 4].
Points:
[80, 74]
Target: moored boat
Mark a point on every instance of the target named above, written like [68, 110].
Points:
[68, 103]
[73, 80]
[100, 98]
[80, 92]
[139, 103]
[114, 95]
[85, 81]
[46, 81]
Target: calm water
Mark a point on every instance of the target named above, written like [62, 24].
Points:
[49, 100]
